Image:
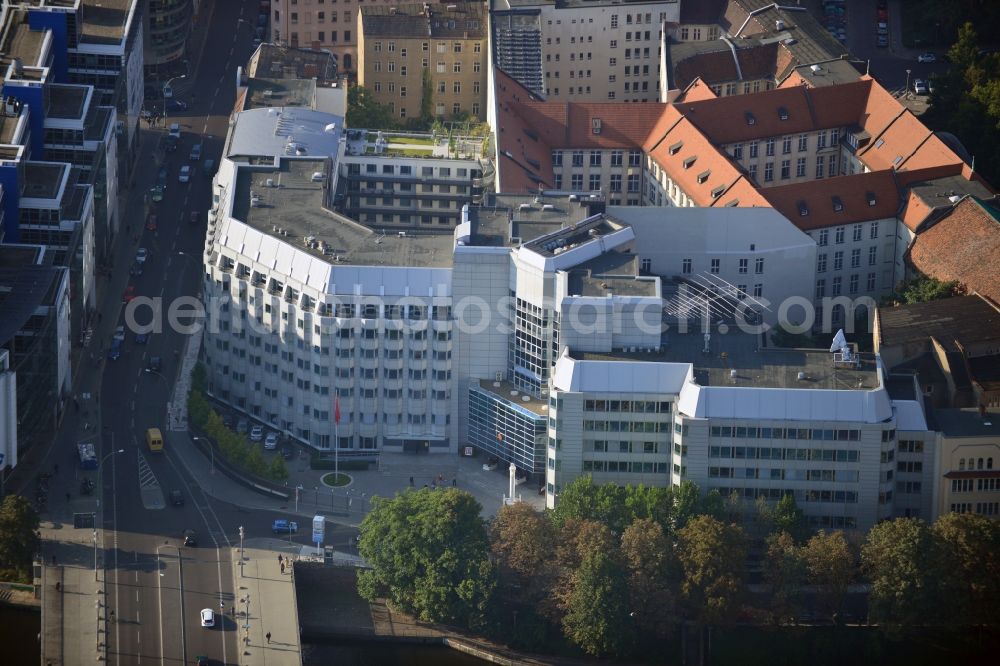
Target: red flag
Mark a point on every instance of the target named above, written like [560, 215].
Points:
[336, 410]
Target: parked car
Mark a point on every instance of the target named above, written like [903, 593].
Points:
[195, 152]
[927, 57]
[129, 294]
[256, 433]
[882, 41]
[282, 526]
[241, 426]
[176, 105]
[176, 498]
[175, 130]
[156, 193]
[119, 334]
[207, 617]
[141, 255]
[271, 441]
[185, 174]
[920, 86]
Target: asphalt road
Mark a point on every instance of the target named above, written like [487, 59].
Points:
[156, 585]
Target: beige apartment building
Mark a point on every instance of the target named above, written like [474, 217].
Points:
[968, 462]
[409, 51]
[321, 24]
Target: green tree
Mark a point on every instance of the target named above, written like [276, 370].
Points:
[575, 501]
[899, 558]
[654, 503]
[785, 574]
[782, 516]
[970, 564]
[711, 555]
[364, 111]
[830, 564]
[597, 617]
[199, 378]
[277, 470]
[428, 551]
[687, 503]
[254, 461]
[923, 289]
[521, 540]
[648, 556]
[18, 537]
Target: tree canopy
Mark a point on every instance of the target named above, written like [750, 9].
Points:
[428, 553]
[18, 537]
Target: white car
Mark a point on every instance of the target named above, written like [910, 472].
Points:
[256, 433]
[919, 86]
[271, 441]
[175, 130]
[207, 617]
[119, 334]
[141, 255]
[185, 174]
[926, 57]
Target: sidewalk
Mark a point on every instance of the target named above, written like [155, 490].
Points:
[272, 607]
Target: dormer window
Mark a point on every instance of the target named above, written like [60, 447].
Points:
[782, 113]
[703, 176]
[871, 198]
[717, 192]
[689, 162]
[732, 203]
[750, 119]
[838, 204]
[803, 209]
[674, 149]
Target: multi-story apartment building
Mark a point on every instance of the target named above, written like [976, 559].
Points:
[846, 163]
[97, 43]
[581, 50]
[35, 338]
[166, 28]
[425, 60]
[280, 76]
[319, 24]
[968, 462]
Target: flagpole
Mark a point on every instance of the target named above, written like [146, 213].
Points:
[336, 440]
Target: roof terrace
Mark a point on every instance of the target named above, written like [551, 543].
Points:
[736, 359]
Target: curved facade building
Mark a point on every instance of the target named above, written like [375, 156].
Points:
[167, 25]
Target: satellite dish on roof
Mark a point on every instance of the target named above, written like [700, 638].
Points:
[839, 341]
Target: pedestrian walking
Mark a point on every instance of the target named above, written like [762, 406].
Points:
[280, 559]
[282, 568]
[268, 637]
[112, 614]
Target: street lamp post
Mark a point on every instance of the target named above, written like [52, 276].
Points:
[165, 86]
[100, 491]
[241, 551]
[907, 88]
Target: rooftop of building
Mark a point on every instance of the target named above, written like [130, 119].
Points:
[736, 360]
[965, 319]
[276, 131]
[98, 119]
[23, 289]
[817, 204]
[19, 41]
[293, 211]
[458, 20]
[963, 245]
[611, 273]
[968, 422]
[510, 393]
[829, 73]
[104, 21]
[267, 92]
[271, 61]
[576, 233]
[66, 101]
[567, 4]
[508, 219]
[42, 180]
[701, 12]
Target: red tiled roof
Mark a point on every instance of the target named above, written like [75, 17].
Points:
[524, 159]
[963, 245]
[726, 119]
[696, 91]
[853, 193]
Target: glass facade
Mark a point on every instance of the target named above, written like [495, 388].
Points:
[507, 431]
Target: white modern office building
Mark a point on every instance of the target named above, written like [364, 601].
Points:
[546, 330]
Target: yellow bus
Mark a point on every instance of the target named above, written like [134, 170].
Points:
[154, 440]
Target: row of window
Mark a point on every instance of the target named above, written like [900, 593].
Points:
[622, 426]
[815, 434]
[439, 47]
[980, 463]
[853, 285]
[354, 168]
[982, 508]
[440, 68]
[838, 259]
[801, 496]
[638, 406]
[839, 233]
[776, 453]
[624, 466]
[596, 156]
[782, 474]
[604, 446]
[975, 485]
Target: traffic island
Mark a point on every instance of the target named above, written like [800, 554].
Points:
[336, 480]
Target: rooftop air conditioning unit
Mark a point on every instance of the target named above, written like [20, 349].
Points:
[779, 25]
[801, 376]
[402, 234]
[317, 176]
[268, 93]
[548, 207]
[269, 182]
[574, 197]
